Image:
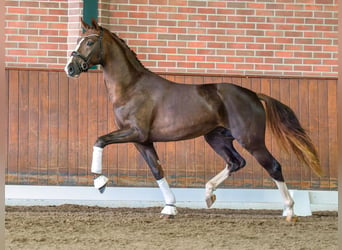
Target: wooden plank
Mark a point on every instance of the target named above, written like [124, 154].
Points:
[304, 118]
[13, 128]
[33, 126]
[284, 158]
[85, 150]
[294, 169]
[23, 127]
[323, 132]
[63, 135]
[73, 146]
[53, 128]
[314, 125]
[43, 144]
[332, 134]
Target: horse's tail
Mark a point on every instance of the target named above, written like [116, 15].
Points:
[285, 126]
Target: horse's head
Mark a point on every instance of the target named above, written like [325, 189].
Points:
[88, 51]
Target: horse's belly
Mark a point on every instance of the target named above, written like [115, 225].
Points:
[176, 128]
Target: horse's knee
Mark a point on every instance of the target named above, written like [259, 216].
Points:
[100, 142]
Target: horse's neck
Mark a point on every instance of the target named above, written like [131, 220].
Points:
[120, 78]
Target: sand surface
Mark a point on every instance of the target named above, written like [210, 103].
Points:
[96, 228]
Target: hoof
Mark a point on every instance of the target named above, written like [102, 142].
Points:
[169, 211]
[292, 219]
[167, 216]
[102, 189]
[210, 200]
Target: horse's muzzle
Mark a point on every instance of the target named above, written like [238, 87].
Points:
[72, 70]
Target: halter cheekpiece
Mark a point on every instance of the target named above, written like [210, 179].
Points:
[84, 65]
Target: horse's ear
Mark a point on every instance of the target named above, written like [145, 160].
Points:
[96, 26]
[85, 26]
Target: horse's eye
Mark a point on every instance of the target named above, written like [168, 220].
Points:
[90, 43]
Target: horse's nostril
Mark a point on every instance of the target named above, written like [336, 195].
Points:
[71, 70]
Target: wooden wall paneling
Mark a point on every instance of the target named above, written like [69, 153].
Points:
[63, 128]
[53, 128]
[23, 126]
[314, 124]
[293, 172]
[73, 129]
[63, 118]
[83, 110]
[283, 157]
[43, 144]
[13, 128]
[33, 126]
[332, 134]
[323, 136]
[304, 118]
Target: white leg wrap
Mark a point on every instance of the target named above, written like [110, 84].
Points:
[169, 198]
[289, 203]
[212, 184]
[96, 165]
[216, 181]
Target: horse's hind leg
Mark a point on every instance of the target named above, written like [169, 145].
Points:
[150, 155]
[272, 166]
[221, 141]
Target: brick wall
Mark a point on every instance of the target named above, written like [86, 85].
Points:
[270, 37]
[40, 33]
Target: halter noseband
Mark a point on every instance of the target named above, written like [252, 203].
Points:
[84, 66]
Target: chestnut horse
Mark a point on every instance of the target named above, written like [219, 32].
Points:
[149, 108]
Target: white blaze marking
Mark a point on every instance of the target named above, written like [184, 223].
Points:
[70, 57]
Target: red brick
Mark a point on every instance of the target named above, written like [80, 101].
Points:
[38, 11]
[197, 44]
[254, 60]
[293, 61]
[302, 68]
[13, 10]
[176, 57]
[235, 59]
[312, 61]
[283, 67]
[225, 66]
[263, 67]
[284, 54]
[166, 64]
[217, 4]
[156, 57]
[27, 59]
[205, 65]
[196, 58]
[256, 5]
[147, 36]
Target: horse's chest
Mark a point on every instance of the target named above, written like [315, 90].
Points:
[122, 115]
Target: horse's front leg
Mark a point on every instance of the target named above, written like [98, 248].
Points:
[149, 153]
[119, 136]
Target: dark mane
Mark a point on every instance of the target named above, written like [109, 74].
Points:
[130, 54]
